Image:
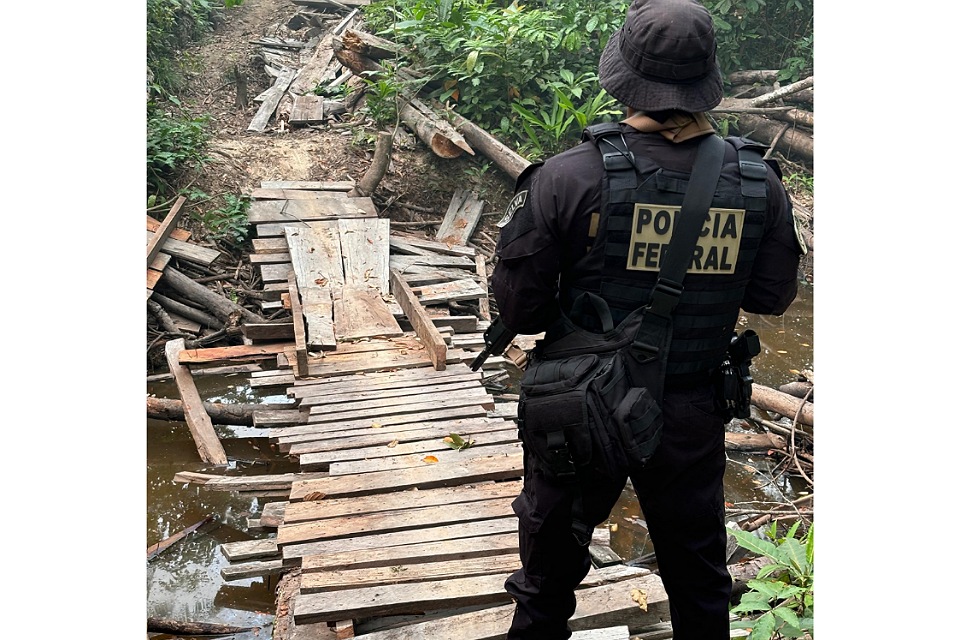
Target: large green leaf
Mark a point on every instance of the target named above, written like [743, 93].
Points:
[752, 543]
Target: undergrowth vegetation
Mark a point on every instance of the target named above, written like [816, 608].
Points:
[527, 72]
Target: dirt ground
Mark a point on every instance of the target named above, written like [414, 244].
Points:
[240, 160]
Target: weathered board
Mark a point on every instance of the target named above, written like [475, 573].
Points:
[294, 512]
[309, 185]
[328, 205]
[307, 109]
[399, 390]
[361, 460]
[466, 289]
[461, 218]
[508, 445]
[399, 538]
[199, 423]
[375, 409]
[271, 100]
[332, 580]
[360, 312]
[488, 468]
[422, 324]
[187, 250]
[398, 520]
[381, 380]
[402, 262]
[461, 548]
[365, 249]
[408, 242]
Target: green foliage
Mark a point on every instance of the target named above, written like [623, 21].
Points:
[171, 26]
[798, 182]
[382, 95]
[764, 34]
[485, 58]
[779, 603]
[227, 222]
[175, 147]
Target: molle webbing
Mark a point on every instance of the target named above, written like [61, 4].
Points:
[705, 314]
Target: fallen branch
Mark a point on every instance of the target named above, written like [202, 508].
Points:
[218, 305]
[164, 625]
[375, 172]
[155, 549]
[233, 414]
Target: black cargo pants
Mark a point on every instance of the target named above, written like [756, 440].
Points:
[681, 495]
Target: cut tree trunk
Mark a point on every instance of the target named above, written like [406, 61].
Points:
[375, 172]
[790, 141]
[782, 403]
[508, 160]
[369, 45]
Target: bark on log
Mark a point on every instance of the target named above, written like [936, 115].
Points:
[375, 172]
[798, 390]
[753, 91]
[778, 94]
[232, 414]
[750, 76]
[792, 143]
[219, 306]
[753, 441]
[439, 136]
[165, 625]
[165, 321]
[186, 311]
[508, 160]
[786, 405]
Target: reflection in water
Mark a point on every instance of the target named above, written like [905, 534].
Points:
[184, 581]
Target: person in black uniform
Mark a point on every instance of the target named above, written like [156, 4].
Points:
[559, 240]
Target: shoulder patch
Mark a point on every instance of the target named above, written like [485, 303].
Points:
[518, 201]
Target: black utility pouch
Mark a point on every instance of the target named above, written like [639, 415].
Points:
[635, 420]
[553, 411]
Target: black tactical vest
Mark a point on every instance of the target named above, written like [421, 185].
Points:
[638, 205]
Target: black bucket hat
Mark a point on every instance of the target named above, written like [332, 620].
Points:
[663, 57]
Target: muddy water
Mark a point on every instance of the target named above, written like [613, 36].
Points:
[184, 581]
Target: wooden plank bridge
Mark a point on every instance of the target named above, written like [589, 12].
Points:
[398, 523]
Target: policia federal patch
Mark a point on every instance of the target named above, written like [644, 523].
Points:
[717, 247]
[518, 201]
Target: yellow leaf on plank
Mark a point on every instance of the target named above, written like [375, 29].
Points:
[430, 459]
[393, 444]
[376, 425]
[640, 597]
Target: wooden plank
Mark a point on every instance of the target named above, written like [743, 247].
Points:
[275, 273]
[333, 580]
[269, 331]
[360, 312]
[389, 407]
[269, 258]
[299, 323]
[405, 432]
[250, 550]
[328, 205]
[509, 445]
[401, 598]
[477, 469]
[236, 353]
[201, 428]
[311, 185]
[364, 245]
[400, 520]
[423, 325]
[317, 308]
[460, 549]
[400, 390]
[362, 460]
[319, 509]
[482, 279]
[467, 289]
[460, 324]
[398, 538]
[451, 418]
[409, 240]
[271, 100]
[266, 418]
[336, 195]
[153, 277]
[169, 223]
[316, 256]
[380, 380]
[179, 234]
[461, 218]
[254, 569]
[307, 109]
[187, 250]
[599, 604]
[377, 361]
[401, 262]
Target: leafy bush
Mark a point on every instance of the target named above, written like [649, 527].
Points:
[229, 221]
[782, 592]
[175, 146]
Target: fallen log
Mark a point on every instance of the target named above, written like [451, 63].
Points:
[798, 390]
[508, 160]
[218, 305]
[751, 76]
[782, 137]
[371, 46]
[439, 136]
[780, 93]
[232, 414]
[165, 625]
[786, 405]
[375, 172]
[186, 311]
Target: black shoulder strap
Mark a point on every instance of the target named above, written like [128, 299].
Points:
[693, 213]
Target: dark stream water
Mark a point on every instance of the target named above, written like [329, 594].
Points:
[184, 581]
